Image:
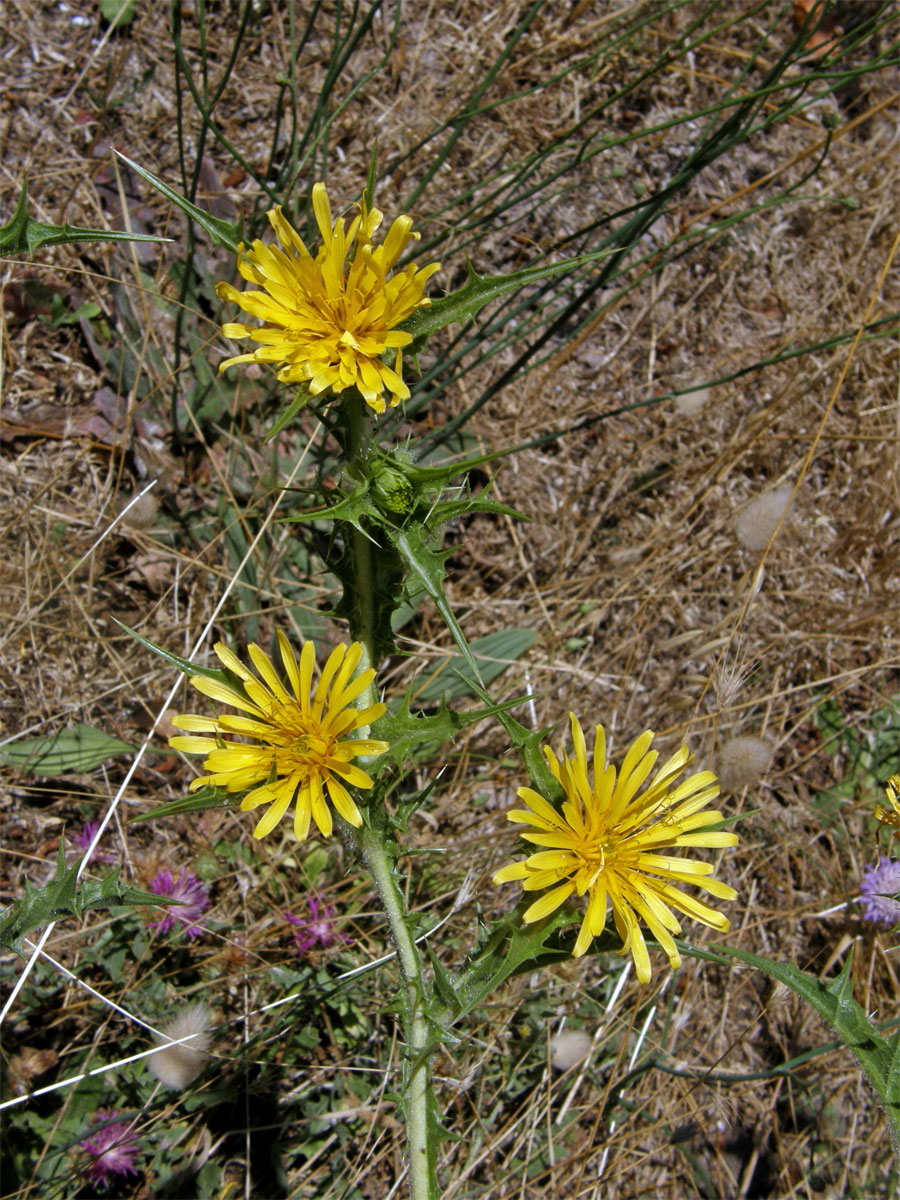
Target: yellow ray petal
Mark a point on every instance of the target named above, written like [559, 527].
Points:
[548, 903]
[272, 816]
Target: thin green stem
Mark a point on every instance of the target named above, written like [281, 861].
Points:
[417, 1076]
[358, 445]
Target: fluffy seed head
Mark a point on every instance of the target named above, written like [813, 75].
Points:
[178, 1065]
[142, 513]
[570, 1047]
[758, 521]
[742, 761]
[690, 403]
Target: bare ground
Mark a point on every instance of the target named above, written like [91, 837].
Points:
[648, 611]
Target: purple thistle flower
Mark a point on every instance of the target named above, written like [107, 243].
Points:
[112, 1149]
[194, 901]
[317, 929]
[879, 885]
[86, 836]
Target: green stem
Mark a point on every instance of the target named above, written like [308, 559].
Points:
[359, 439]
[373, 843]
[417, 1076]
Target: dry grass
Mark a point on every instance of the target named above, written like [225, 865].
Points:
[649, 613]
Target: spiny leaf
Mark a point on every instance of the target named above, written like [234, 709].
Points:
[408, 733]
[529, 743]
[369, 603]
[64, 897]
[510, 947]
[833, 1000]
[351, 507]
[448, 510]
[75, 750]
[23, 233]
[222, 233]
[182, 664]
[426, 566]
[479, 290]
[443, 984]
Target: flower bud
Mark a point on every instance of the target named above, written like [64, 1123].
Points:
[391, 486]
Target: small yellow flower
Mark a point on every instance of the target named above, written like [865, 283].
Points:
[606, 842]
[304, 747]
[325, 322]
[890, 816]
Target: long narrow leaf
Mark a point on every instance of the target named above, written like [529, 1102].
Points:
[72, 751]
[23, 233]
[833, 1000]
[222, 233]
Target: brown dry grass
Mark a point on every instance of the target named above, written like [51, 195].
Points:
[648, 611]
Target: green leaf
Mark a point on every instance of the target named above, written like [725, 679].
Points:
[183, 664]
[13, 235]
[426, 566]
[427, 569]
[222, 233]
[71, 751]
[510, 947]
[442, 983]
[60, 315]
[529, 744]
[369, 604]
[833, 1000]
[448, 510]
[299, 402]
[892, 1083]
[23, 233]
[63, 897]
[409, 734]
[117, 12]
[369, 193]
[493, 654]
[199, 801]
[460, 306]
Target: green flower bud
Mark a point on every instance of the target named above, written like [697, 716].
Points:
[391, 486]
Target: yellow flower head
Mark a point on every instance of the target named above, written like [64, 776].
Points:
[891, 816]
[607, 842]
[324, 321]
[300, 738]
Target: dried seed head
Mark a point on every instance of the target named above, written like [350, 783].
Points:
[742, 761]
[178, 1065]
[729, 678]
[758, 521]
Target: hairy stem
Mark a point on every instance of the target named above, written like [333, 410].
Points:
[375, 846]
[417, 1077]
